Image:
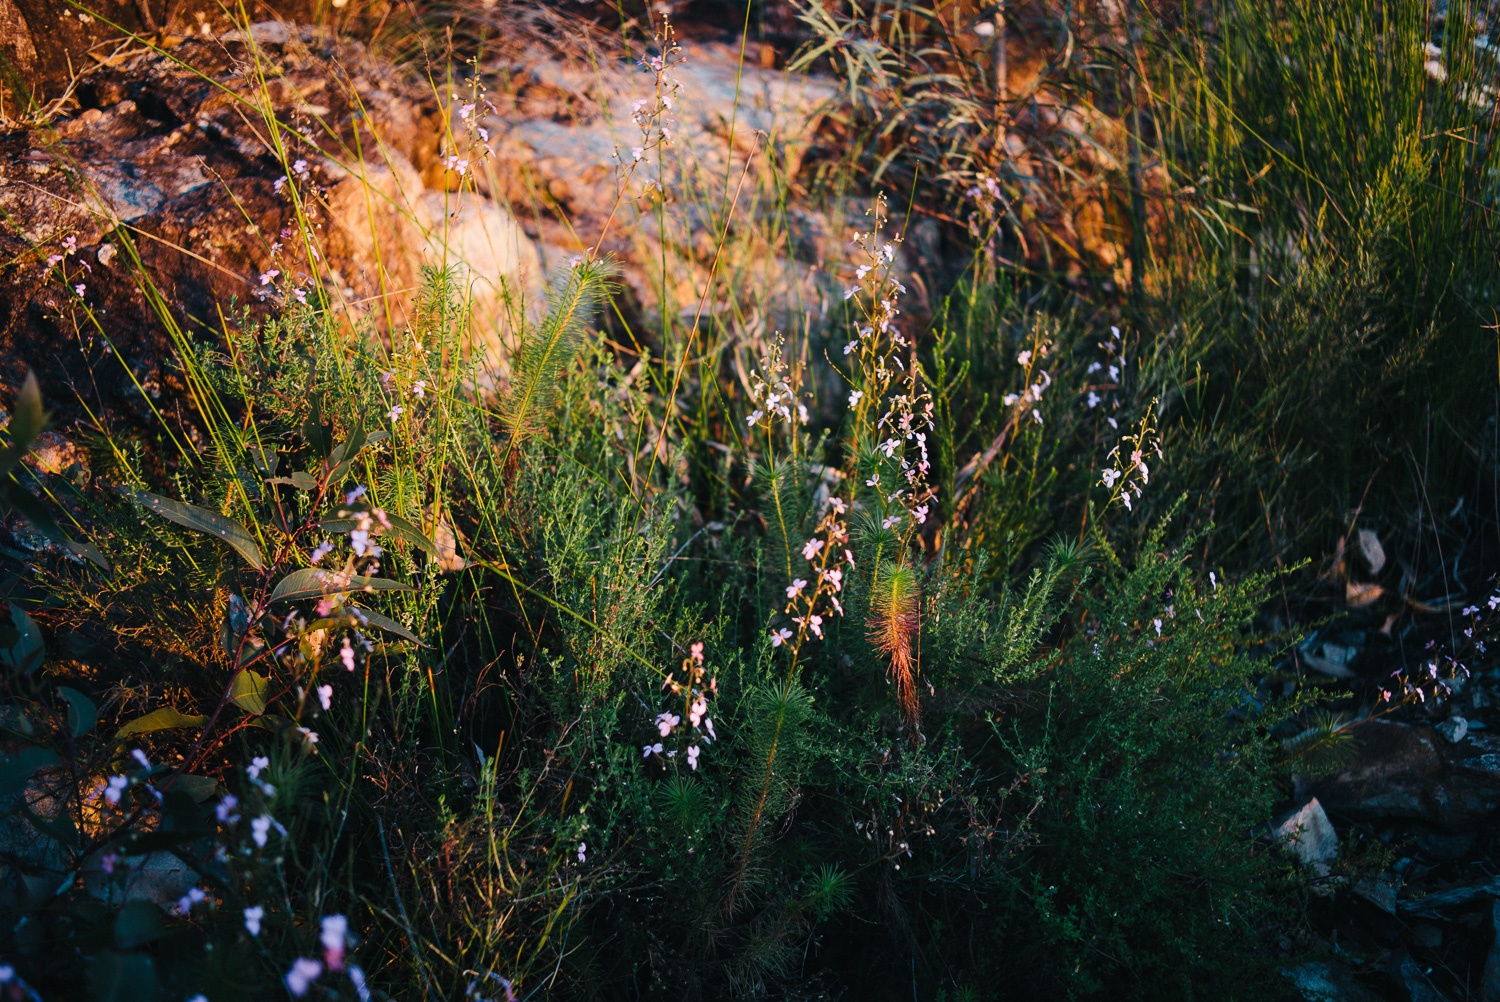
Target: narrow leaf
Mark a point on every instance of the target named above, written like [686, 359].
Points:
[28, 651]
[29, 419]
[204, 520]
[300, 480]
[309, 582]
[389, 625]
[400, 528]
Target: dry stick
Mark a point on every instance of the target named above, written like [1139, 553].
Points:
[411, 938]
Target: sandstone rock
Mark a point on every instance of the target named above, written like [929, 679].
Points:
[169, 181]
[1310, 836]
[1398, 773]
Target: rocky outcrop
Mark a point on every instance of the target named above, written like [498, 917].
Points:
[244, 172]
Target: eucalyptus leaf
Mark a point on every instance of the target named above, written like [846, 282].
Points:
[399, 527]
[204, 520]
[82, 713]
[300, 480]
[199, 788]
[389, 625]
[249, 691]
[17, 769]
[28, 650]
[310, 582]
[161, 719]
[139, 922]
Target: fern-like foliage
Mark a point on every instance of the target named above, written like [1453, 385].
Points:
[893, 624]
[1324, 745]
[575, 295]
[772, 757]
[784, 509]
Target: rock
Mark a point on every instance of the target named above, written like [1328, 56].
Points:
[1379, 890]
[1397, 774]
[1311, 838]
[161, 175]
[1489, 981]
[1413, 980]
[739, 137]
[1453, 730]
[1427, 934]
[51, 452]
[498, 267]
[1437, 905]
[1329, 981]
[1438, 845]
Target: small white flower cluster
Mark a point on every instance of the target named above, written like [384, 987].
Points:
[1127, 475]
[812, 598]
[1430, 678]
[1473, 611]
[652, 114]
[694, 696]
[70, 249]
[1037, 379]
[1113, 366]
[907, 418]
[772, 393]
[465, 131]
[114, 788]
[286, 291]
[334, 936]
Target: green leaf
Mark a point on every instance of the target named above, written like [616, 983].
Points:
[139, 922]
[27, 652]
[400, 528]
[343, 457]
[249, 692]
[82, 713]
[200, 788]
[265, 458]
[310, 582]
[17, 769]
[29, 419]
[161, 719]
[386, 623]
[317, 432]
[123, 977]
[300, 480]
[204, 520]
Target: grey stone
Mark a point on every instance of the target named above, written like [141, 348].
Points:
[1328, 981]
[1436, 905]
[1410, 977]
[1380, 891]
[1453, 730]
[1489, 980]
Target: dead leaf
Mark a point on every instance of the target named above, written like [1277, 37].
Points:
[1371, 550]
[1361, 593]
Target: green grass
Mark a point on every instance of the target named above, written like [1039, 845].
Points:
[982, 725]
